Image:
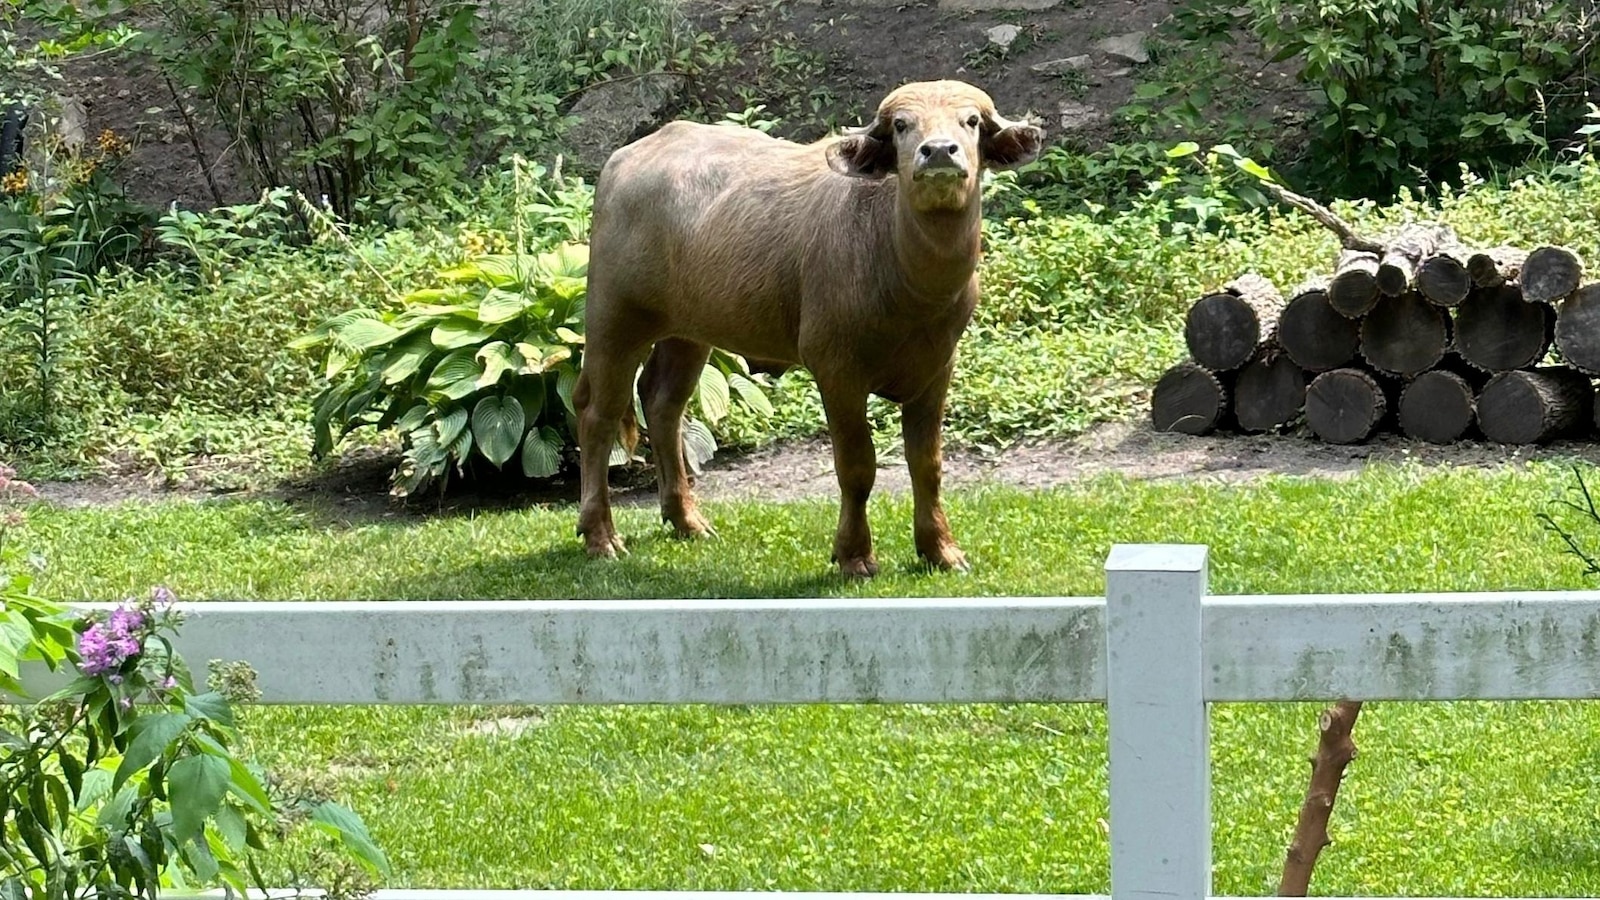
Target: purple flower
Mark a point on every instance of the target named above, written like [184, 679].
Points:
[125, 621]
[95, 652]
[162, 597]
[168, 683]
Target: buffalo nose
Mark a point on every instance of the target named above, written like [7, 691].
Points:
[938, 152]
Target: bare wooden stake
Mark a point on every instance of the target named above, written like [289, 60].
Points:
[1335, 749]
[1347, 235]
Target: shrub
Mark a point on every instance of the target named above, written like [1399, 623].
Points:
[1409, 90]
[124, 780]
[481, 367]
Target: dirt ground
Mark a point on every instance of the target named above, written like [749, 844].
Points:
[356, 488]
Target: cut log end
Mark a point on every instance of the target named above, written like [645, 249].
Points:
[1344, 406]
[1224, 330]
[1405, 335]
[1535, 405]
[1188, 399]
[1315, 335]
[1436, 407]
[1353, 290]
[1444, 280]
[1549, 274]
[1269, 393]
[1496, 331]
[1578, 330]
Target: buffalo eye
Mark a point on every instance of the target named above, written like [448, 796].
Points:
[972, 121]
[900, 125]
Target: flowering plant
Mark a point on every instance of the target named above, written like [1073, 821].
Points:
[123, 780]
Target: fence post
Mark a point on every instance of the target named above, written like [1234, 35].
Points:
[1159, 737]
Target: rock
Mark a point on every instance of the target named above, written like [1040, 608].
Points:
[1062, 66]
[1003, 36]
[610, 115]
[1076, 116]
[981, 5]
[1128, 48]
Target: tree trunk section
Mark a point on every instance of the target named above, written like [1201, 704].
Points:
[1354, 287]
[1578, 329]
[1224, 330]
[1549, 274]
[1269, 393]
[1335, 750]
[1437, 407]
[1405, 335]
[1496, 266]
[1344, 406]
[1314, 334]
[1531, 406]
[1397, 270]
[1497, 332]
[1188, 399]
[1443, 279]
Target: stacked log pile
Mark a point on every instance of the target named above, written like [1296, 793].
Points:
[1415, 333]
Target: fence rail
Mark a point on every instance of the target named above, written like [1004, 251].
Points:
[1155, 650]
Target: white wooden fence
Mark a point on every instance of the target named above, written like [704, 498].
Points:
[1156, 649]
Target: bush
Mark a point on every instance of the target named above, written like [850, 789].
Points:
[1409, 90]
[124, 780]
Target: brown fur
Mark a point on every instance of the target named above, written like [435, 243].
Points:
[851, 256]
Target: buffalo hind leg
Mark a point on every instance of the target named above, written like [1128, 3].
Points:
[855, 462]
[669, 379]
[602, 396]
[921, 424]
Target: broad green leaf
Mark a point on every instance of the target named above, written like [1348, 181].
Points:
[568, 335]
[405, 358]
[497, 358]
[210, 705]
[698, 444]
[232, 826]
[196, 785]
[541, 453]
[451, 424]
[1187, 148]
[458, 367]
[751, 394]
[323, 332]
[566, 383]
[114, 815]
[151, 734]
[502, 306]
[96, 787]
[713, 393]
[414, 417]
[530, 392]
[497, 426]
[366, 334]
[459, 332]
[348, 827]
[502, 269]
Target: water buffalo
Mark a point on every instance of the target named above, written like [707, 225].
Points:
[854, 256]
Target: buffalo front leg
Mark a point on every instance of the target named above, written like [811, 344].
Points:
[602, 395]
[855, 462]
[669, 379]
[922, 424]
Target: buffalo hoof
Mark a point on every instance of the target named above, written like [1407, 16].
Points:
[862, 567]
[605, 546]
[947, 558]
[691, 526]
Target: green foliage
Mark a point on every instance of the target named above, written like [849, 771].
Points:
[386, 112]
[483, 366]
[124, 779]
[1410, 89]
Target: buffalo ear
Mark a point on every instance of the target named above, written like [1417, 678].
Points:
[1011, 144]
[860, 155]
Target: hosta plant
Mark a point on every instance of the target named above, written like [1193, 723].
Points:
[484, 366]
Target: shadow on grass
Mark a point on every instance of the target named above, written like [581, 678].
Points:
[649, 570]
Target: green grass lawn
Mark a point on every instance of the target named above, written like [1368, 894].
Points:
[1446, 799]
